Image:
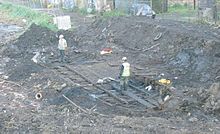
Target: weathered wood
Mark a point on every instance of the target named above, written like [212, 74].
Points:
[138, 99]
[145, 74]
[157, 37]
[113, 65]
[139, 68]
[141, 90]
[108, 92]
[109, 104]
[71, 82]
[11, 82]
[151, 47]
[85, 111]
[149, 98]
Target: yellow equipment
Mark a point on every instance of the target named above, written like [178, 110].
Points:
[165, 81]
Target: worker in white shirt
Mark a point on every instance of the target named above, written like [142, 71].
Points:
[62, 46]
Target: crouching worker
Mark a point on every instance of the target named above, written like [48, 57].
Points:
[124, 74]
[165, 92]
[62, 46]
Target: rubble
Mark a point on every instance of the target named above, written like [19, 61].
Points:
[212, 99]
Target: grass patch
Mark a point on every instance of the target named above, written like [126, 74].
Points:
[16, 11]
[113, 13]
[82, 11]
[107, 14]
[182, 9]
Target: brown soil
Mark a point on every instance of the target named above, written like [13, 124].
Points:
[187, 54]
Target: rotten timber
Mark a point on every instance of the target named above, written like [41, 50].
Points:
[71, 82]
[138, 99]
[149, 99]
[86, 79]
[85, 111]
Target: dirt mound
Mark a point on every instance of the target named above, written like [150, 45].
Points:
[21, 51]
[35, 39]
[210, 99]
[187, 51]
[180, 50]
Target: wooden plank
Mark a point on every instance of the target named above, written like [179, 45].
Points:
[85, 111]
[138, 99]
[149, 97]
[135, 97]
[108, 92]
[141, 90]
[145, 74]
[152, 101]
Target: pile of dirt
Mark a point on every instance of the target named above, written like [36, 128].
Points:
[187, 51]
[187, 54]
[209, 99]
[34, 39]
[179, 50]
[21, 51]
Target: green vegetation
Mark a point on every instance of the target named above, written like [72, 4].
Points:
[16, 11]
[82, 11]
[182, 9]
[113, 13]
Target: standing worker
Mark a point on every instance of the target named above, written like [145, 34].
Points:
[62, 46]
[124, 74]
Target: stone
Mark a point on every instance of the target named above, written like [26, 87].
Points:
[193, 119]
[212, 103]
[214, 89]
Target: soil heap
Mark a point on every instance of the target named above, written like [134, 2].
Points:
[188, 54]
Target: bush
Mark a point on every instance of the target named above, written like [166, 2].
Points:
[180, 8]
[30, 15]
[113, 13]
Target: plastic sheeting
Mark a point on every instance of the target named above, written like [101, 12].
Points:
[62, 22]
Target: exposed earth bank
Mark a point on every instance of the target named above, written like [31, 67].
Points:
[187, 54]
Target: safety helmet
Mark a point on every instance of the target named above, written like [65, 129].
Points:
[61, 36]
[124, 58]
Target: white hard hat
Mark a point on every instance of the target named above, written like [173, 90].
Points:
[124, 58]
[61, 36]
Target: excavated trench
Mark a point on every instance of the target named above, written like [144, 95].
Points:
[189, 59]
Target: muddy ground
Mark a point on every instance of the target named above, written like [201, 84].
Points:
[187, 54]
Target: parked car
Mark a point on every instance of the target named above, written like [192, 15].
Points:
[142, 10]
